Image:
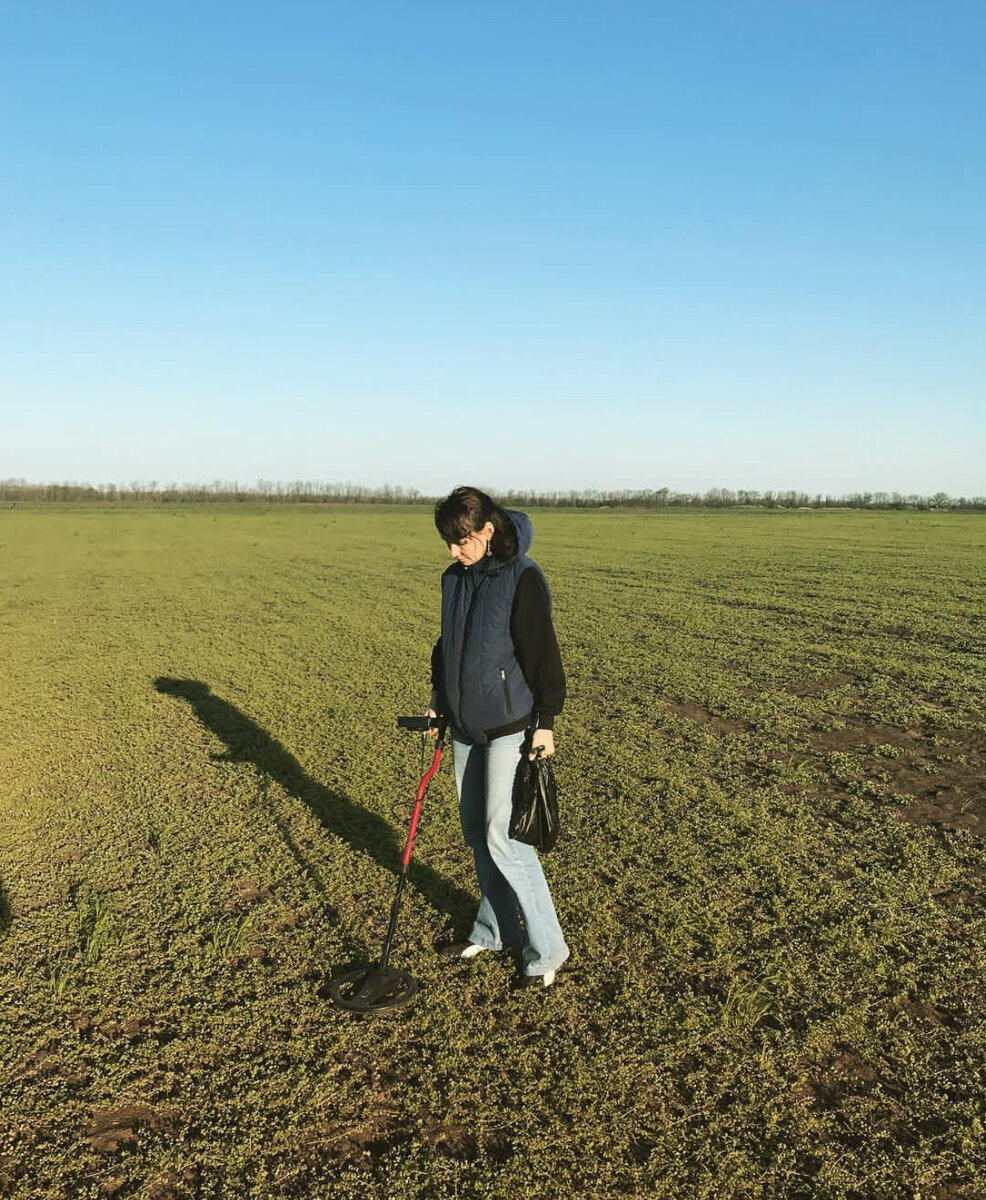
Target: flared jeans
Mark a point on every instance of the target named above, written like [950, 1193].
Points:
[515, 908]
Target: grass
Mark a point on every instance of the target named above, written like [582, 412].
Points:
[770, 871]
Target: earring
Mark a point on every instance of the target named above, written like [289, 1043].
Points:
[489, 552]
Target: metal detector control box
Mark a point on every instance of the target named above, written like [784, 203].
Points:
[418, 724]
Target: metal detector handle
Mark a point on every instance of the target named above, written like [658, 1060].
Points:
[436, 761]
[419, 724]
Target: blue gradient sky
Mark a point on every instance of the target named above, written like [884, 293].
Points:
[544, 244]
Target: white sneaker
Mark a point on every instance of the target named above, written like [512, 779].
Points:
[459, 950]
[536, 981]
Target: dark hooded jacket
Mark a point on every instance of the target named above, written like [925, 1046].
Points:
[496, 666]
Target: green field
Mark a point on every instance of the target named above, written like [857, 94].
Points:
[771, 874]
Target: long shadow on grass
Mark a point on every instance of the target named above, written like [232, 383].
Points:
[363, 830]
[4, 911]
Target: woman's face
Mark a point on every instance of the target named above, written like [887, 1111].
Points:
[471, 548]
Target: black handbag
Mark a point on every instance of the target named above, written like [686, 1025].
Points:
[534, 819]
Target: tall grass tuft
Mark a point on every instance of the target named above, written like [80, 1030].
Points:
[96, 924]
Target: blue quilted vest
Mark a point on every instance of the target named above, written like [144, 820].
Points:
[482, 684]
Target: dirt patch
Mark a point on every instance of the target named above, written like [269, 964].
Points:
[246, 893]
[966, 741]
[165, 1187]
[45, 1065]
[464, 1142]
[844, 1074]
[729, 726]
[858, 738]
[850, 1066]
[954, 814]
[919, 1011]
[111, 1128]
[945, 774]
[287, 920]
[382, 1126]
[818, 687]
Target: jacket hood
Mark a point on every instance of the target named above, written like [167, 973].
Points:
[525, 535]
[524, 529]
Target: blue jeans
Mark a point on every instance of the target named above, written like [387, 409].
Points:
[511, 883]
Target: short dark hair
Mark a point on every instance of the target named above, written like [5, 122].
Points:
[466, 510]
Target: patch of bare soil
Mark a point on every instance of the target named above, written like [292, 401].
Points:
[111, 1128]
[383, 1126]
[861, 739]
[165, 1187]
[920, 1011]
[818, 687]
[701, 716]
[945, 774]
[842, 1076]
[287, 920]
[947, 782]
[463, 1142]
[246, 893]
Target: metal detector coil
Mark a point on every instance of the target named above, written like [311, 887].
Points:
[380, 988]
[373, 990]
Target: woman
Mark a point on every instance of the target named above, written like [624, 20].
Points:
[497, 678]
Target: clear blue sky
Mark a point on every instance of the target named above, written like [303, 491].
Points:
[559, 244]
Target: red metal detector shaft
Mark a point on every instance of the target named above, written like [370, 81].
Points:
[426, 778]
[377, 988]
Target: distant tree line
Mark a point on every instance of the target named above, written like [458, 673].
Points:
[268, 491]
[740, 498]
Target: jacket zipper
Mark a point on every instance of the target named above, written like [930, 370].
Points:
[465, 637]
[506, 690]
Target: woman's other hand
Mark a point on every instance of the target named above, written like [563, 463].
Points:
[545, 738]
[430, 712]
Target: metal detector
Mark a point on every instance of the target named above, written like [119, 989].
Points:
[381, 987]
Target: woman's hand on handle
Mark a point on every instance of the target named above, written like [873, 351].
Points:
[545, 738]
[430, 712]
